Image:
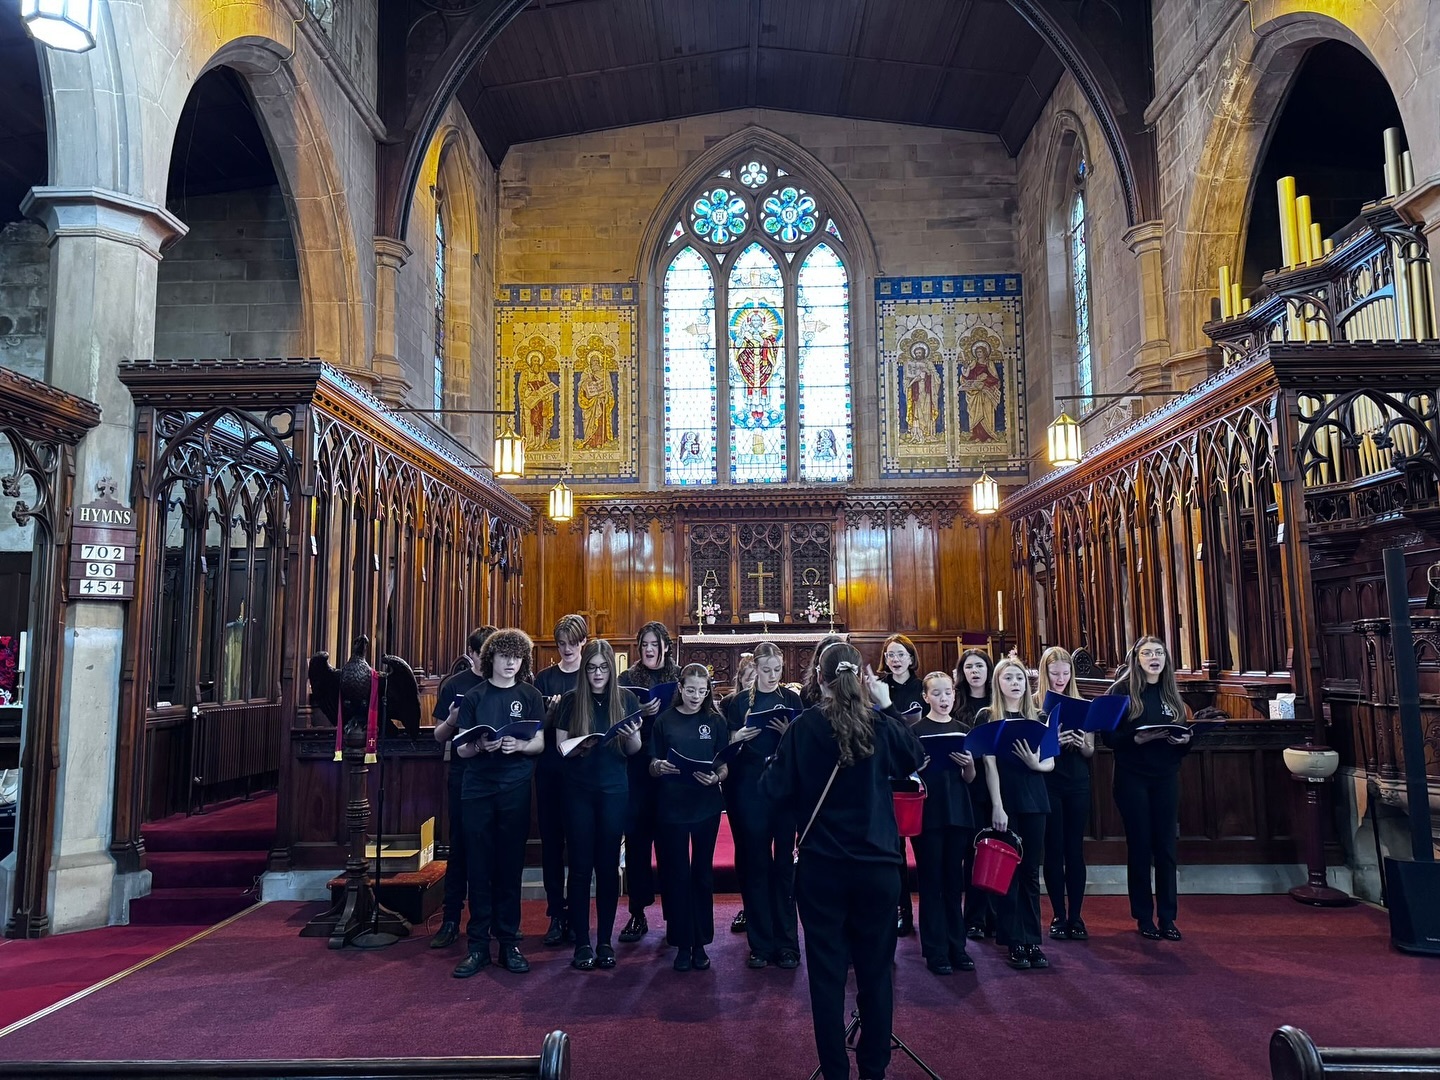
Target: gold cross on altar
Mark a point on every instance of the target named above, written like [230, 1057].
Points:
[760, 575]
[593, 617]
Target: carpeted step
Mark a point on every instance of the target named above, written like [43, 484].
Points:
[205, 869]
[241, 825]
[204, 906]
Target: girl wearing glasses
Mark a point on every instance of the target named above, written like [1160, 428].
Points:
[596, 792]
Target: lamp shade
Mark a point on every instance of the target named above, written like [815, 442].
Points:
[562, 502]
[985, 494]
[509, 457]
[68, 25]
[1064, 438]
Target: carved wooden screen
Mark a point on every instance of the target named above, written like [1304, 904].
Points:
[761, 566]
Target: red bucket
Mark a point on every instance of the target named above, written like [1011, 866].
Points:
[910, 810]
[997, 855]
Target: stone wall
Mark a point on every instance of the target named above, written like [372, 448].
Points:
[935, 201]
[231, 286]
[24, 297]
[1046, 187]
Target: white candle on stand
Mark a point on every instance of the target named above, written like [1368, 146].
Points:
[1000, 609]
[24, 651]
[832, 601]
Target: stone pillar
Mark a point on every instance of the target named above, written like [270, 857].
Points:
[104, 258]
[390, 256]
[1149, 370]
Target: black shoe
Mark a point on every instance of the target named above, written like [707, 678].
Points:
[1059, 929]
[1037, 958]
[556, 934]
[962, 962]
[584, 959]
[737, 924]
[605, 957]
[1169, 931]
[635, 929]
[513, 959]
[682, 960]
[939, 966]
[446, 936]
[699, 960]
[471, 964]
[1019, 958]
[1148, 930]
[1077, 930]
[975, 933]
[788, 960]
[757, 961]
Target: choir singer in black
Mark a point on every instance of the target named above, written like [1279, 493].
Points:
[833, 770]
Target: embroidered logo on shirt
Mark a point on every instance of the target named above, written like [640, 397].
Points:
[704, 731]
[516, 707]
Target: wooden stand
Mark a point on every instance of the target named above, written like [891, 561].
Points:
[353, 913]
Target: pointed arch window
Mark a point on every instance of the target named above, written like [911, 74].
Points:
[1080, 292]
[438, 389]
[756, 333]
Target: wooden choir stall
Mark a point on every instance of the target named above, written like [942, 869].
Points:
[1244, 522]
[283, 510]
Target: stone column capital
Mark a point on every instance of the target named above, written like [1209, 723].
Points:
[392, 252]
[1421, 205]
[1145, 237]
[109, 215]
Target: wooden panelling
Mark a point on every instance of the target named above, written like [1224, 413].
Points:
[914, 563]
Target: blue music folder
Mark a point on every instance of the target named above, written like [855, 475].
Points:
[998, 738]
[662, 692]
[940, 746]
[524, 730]
[689, 766]
[1076, 714]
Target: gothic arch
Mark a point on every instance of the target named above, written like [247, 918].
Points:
[863, 266]
[1244, 109]
[455, 178]
[1067, 147]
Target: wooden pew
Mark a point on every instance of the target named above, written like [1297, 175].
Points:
[553, 1063]
[1294, 1056]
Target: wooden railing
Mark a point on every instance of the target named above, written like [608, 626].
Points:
[1294, 1056]
[234, 744]
[553, 1063]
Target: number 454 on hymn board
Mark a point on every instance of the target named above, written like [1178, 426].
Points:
[102, 550]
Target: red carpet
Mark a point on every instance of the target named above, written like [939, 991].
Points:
[204, 866]
[1115, 1006]
[36, 974]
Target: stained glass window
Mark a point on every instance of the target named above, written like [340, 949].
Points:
[690, 391]
[756, 324]
[756, 333]
[1080, 291]
[439, 387]
[822, 306]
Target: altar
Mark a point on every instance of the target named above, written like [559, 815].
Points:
[721, 650]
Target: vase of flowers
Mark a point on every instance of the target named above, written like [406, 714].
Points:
[816, 608]
[711, 610]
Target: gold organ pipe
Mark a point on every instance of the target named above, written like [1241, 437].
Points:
[1289, 240]
[1391, 138]
[1317, 242]
[1302, 229]
[1407, 172]
[1226, 311]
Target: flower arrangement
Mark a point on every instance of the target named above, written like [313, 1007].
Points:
[711, 607]
[9, 664]
[816, 608]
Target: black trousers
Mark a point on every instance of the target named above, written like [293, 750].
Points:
[1150, 809]
[1019, 909]
[457, 872]
[640, 842]
[550, 813]
[940, 855]
[979, 904]
[594, 824]
[687, 879]
[1065, 850]
[766, 836]
[496, 829]
[849, 913]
